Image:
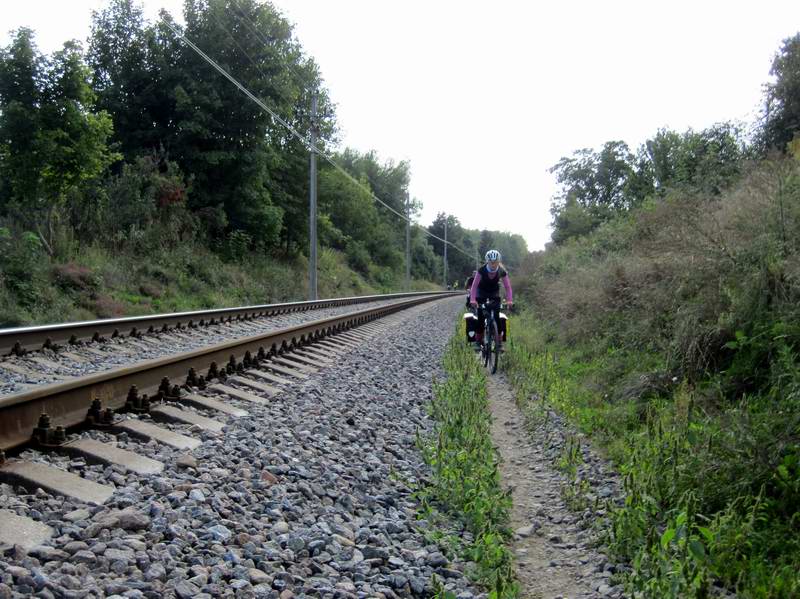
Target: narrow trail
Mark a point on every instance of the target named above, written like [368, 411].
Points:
[555, 558]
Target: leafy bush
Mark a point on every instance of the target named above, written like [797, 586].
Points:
[22, 259]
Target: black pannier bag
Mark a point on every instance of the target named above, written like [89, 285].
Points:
[471, 327]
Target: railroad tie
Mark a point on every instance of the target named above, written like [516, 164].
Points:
[20, 530]
[268, 376]
[17, 369]
[35, 475]
[269, 390]
[187, 417]
[318, 352]
[277, 367]
[284, 361]
[73, 357]
[213, 404]
[347, 340]
[354, 337]
[312, 359]
[238, 394]
[335, 346]
[111, 454]
[45, 363]
[162, 435]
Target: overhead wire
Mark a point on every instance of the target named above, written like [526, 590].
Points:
[304, 139]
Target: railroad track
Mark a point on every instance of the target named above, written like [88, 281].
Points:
[21, 340]
[24, 369]
[156, 395]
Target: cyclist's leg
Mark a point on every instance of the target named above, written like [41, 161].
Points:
[497, 322]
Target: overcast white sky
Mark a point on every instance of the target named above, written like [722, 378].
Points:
[483, 97]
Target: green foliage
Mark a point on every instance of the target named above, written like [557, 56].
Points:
[53, 143]
[200, 163]
[597, 187]
[711, 492]
[706, 161]
[781, 118]
[465, 478]
[21, 265]
[680, 353]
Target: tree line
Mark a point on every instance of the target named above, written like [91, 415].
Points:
[137, 142]
[599, 185]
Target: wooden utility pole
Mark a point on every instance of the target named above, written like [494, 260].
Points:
[408, 242]
[312, 206]
[445, 252]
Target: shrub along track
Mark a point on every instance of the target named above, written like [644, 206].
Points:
[293, 496]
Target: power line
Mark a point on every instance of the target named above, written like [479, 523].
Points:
[304, 140]
[252, 26]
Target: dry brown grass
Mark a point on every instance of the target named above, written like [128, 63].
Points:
[681, 275]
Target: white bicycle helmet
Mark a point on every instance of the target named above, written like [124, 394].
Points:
[492, 255]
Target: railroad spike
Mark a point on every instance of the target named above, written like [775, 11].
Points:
[191, 378]
[133, 394]
[98, 417]
[164, 387]
[135, 403]
[44, 422]
[151, 330]
[164, 328]
[201, 382]
[59, 435]
[231, 365]
[18, 350]
[213, 372]
[73, 340]
[115, 334]
[45, 435]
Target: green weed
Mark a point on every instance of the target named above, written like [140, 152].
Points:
[465, 479]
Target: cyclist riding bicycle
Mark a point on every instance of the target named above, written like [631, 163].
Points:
[486, 286]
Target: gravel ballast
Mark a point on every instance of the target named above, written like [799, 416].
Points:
[307, 496]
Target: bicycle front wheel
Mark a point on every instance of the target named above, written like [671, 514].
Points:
[485, 347]
[494, 348]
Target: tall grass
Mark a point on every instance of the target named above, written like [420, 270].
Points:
[671, 336]
[465, 480]
[711, 499]
[97, 282]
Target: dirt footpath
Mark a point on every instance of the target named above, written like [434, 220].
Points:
[555, 557]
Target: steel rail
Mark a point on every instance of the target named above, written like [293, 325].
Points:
[36, 337]
[67, 403]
